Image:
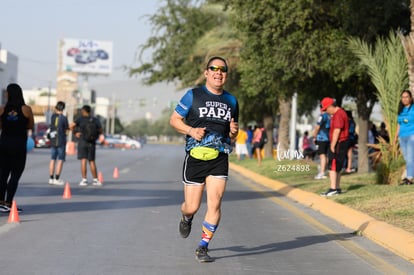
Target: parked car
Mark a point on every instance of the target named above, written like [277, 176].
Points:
[132, 143]
[39, 135]
[41, 141]
[121, 141]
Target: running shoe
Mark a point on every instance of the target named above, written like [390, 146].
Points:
[84, 182]
[58, 182]
[202, 255]
[185, 227]
[4, 208]
[51, 181]
[96, 182]
[330, 192]
[406, 181]
[320, 176]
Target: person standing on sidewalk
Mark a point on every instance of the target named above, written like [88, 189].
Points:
[338, 144]
[208, 116]
[87, 129]
[16, 118]
[58, 129]
[241, 147]
[405, 133]
[321, 134]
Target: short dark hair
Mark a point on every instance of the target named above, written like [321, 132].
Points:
[60, 106]
[211, 59]
[86, 108]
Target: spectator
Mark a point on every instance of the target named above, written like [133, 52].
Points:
[383, 133]
[405, 132]
[241, 147]
[321, 134]
[16, 118]
[373, 133]
[57, 135]
[87, 129]
[307, 149]
[249, 141]
[338, 144]
[258, 144]
[352, 141]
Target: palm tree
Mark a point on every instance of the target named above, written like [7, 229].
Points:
[387, 68]
[408, 43]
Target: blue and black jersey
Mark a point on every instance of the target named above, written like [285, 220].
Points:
[201, 108]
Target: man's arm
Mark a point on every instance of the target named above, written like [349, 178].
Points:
[177, 122]
[335, 138]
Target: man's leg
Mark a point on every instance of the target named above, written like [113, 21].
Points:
[92, 165]
[192, 200]
[60, 160]
[333, 178]
[323, 163]
[51, 171]
[333, 174]
[215, 188]
[83, 168]
[59, 167]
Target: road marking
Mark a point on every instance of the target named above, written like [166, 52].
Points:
[375, 261]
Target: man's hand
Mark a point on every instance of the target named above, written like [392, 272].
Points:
[234, 128]
[197, 133]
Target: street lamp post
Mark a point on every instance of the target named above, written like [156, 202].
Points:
[48, 103]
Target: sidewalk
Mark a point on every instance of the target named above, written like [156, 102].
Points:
[392, 238]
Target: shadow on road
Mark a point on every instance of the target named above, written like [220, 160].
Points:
[281, 246]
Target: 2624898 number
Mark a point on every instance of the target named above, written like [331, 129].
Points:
[292, 168]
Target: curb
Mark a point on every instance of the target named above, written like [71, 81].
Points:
[392, 238]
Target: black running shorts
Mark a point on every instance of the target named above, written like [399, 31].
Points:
[86, 150]
[336, 160]
[323, 147]
[196, 171]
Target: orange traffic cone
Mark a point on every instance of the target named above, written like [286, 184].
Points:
[66, 192]
[100, 177]
[116, 174]
[14, 214]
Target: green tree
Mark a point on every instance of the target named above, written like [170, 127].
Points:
[185, 36]
[287, 44]
[138, 127]
[276, 48]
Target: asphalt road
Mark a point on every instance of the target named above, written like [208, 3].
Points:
[130, 226]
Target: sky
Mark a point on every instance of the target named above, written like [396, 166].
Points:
[31, 30]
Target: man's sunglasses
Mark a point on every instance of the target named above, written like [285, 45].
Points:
[223, 69]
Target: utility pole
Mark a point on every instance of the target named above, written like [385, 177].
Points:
[48, 114]
[293, 125]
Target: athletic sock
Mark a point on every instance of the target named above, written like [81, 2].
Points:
[207, 234]
[188, 219]
[51, 177]
[57, 177]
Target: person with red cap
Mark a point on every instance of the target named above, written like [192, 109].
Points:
[338, 146]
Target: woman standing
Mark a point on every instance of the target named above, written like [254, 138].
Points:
[257, 144]
[405, 132]
[15, 119]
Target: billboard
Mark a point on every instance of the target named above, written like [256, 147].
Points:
[86, 56]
